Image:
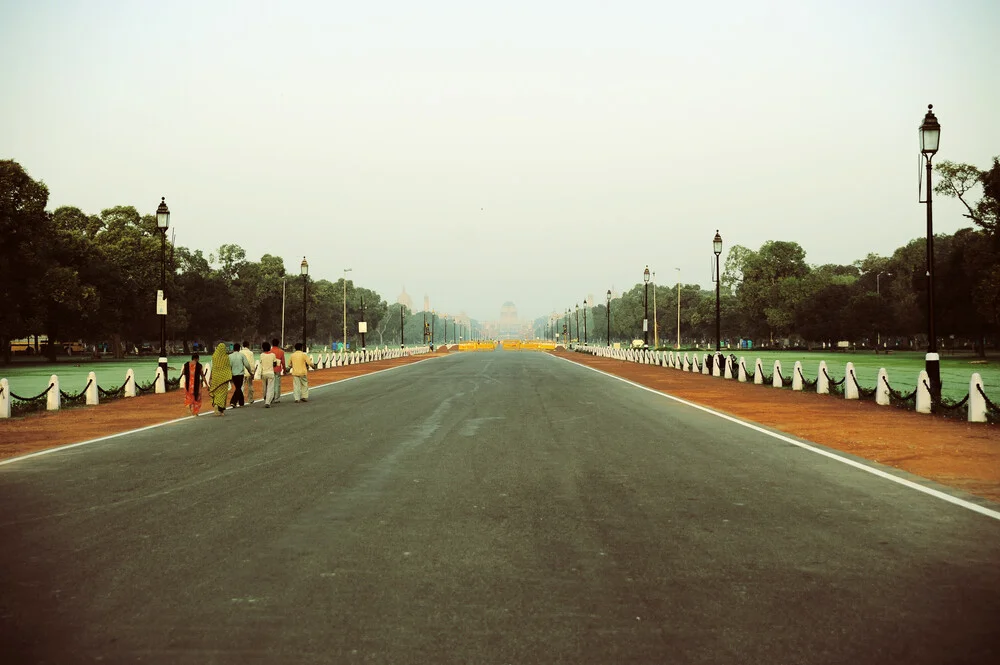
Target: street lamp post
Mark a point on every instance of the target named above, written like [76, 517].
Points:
[304, 271]
[401, 344]
[346, 270]
[656, 333]
[930, 136]
[585, 308]
[878, 317]
[363, 326]
[678, 309]
[645, 307]
[609, 317]
[162, 223]
[577, 322]
[717, 249]
[445, 329]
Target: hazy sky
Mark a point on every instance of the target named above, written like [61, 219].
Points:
[482, 152]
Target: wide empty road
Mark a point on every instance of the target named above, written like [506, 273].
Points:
[483, 508]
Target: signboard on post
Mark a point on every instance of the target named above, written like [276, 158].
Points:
[362, 327]
[161, 303]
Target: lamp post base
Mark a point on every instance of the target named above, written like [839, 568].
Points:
[933, 366]
[161, 379]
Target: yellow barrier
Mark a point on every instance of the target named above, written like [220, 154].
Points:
[477, 346]
[529, 345]
[508, 345]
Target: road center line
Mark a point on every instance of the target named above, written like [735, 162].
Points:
[819, 451]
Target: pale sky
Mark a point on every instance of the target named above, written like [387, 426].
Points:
[535, 151]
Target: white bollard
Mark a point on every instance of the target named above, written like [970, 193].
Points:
[729, 368]
[93, 397]
[687, 363]
[977, 401]
[207, 371]
[717, 364]
[923, 393]
[851, 387]
[822, 382]
[882, 388]
[797, 376]
[758, 372]
[130, 383]
[704, 363]
[4, 398]
[776, 381]
[160, 381]
[53, 398]
[741, 375]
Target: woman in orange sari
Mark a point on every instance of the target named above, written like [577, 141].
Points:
[193, 378]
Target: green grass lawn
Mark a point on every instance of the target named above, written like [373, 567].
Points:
[29, 379]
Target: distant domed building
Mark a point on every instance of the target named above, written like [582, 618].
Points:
[405, 300]
[508, 313]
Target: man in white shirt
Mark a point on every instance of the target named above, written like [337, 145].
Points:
[267, 362]
[248, 376]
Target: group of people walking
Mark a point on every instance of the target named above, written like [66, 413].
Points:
[237, 368]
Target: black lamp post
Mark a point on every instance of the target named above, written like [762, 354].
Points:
[577, 322]
[878, 317]
[304, 271]
[645, 307]
[401, 345]
[717, 248]
[426, 335]
[364, 323]
[162, 223]
[930, 136]
[585, 320]
[609, 318]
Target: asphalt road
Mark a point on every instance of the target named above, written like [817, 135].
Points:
[482, 508]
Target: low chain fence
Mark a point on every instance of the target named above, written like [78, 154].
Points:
[939, 405]
[21, 405]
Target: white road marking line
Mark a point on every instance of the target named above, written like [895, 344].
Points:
[858, 465]
[11, 460]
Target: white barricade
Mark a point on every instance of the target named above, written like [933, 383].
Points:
[93, 397]
[882, 395]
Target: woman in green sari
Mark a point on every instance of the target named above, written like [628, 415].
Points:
[222, 374]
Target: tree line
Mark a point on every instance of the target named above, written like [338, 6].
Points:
[74, 276]
[70, 275]
[773, 297]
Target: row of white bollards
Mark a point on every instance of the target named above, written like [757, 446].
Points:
[53, 396]
[976, 406]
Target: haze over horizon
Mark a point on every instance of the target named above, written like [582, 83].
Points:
[532, 152]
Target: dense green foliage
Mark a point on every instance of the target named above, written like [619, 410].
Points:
[73, 276]
[773, 297]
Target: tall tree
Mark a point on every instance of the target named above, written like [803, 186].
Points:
[24, 230]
